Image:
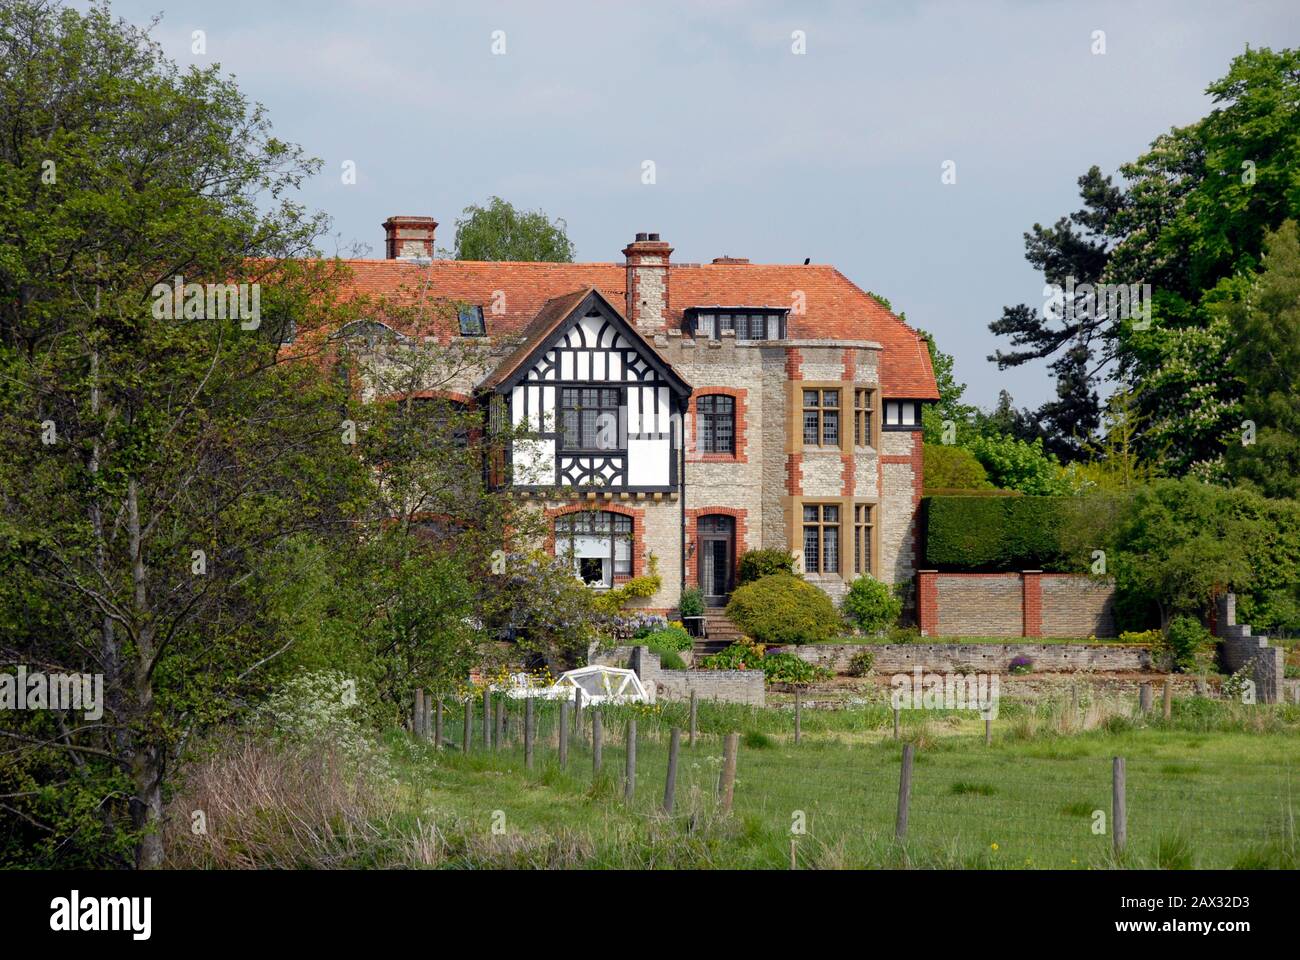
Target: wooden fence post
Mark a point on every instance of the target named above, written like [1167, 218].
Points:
[798, 716]
[730, 746]
[564, 734]
[529, 733]
[988, 729]
[487, 717]
[693, 715]
[904, 793]
[597, 738]
[1118, 805]
[437, 724]
[428, 714]
[417, 720]
[1169, 697]
[469, 725]
[895, 723]
[501, 723]
[629, 775]
[1144, 697]
[577, 712]
[670, 781]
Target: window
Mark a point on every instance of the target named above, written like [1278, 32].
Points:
[762, 323]
[589, 419]
[821, 538]
[715, 418]
[471, 321]
[862, 418]
[598, 543]
[863, 521]
[821, 418]
[902, 414]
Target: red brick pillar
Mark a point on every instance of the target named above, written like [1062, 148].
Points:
[927, 602]
[1031, 582]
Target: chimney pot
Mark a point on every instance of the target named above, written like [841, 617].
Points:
[654, 237]
[642, 237]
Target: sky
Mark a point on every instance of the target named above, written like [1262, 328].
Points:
[836, 153]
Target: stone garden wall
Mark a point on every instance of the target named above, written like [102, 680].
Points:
[980, 657]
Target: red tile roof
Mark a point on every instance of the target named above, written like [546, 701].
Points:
[836, 309]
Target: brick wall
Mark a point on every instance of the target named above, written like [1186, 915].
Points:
[1026, 604]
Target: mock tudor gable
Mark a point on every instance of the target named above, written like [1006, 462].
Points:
[602, 408]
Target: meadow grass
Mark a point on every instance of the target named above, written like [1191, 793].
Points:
[1215, 786]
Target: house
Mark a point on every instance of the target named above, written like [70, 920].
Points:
[690, 411]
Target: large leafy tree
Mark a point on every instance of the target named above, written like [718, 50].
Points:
[1266, 454]
[498, 231]
[154, 466]
[1189, 220]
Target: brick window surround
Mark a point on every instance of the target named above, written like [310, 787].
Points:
[741, 396]
[638, 531]
[741, 516]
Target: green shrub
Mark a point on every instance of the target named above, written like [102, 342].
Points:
[871, 605]
[953, 468]
[692, 602]
[903, 635]
[783, 609]
[1185, 638]
[744, 654]
[669, 658]
[860, 663]
[757, 564]
[1150, 638]
[787, 668]
[670, 638]
[776, 667]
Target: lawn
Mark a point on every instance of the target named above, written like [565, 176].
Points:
[1215, 786]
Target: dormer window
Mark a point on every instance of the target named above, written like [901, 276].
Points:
[745, 323]
[471, 321]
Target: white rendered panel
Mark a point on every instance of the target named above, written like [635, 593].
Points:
[647, 463]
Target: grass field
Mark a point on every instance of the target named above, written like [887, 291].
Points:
[1215, 786]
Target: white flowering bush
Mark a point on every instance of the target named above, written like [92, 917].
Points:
[319, 707]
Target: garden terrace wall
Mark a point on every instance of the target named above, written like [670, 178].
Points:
[1025, 604]
[981, 657]
[725, 686]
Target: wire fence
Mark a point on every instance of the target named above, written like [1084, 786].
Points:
[834, 799]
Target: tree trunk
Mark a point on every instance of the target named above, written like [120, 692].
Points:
[147, 760]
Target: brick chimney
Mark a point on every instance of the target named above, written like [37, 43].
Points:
[647, 283]
[409, 238]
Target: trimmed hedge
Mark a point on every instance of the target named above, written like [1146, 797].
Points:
[1017, 533]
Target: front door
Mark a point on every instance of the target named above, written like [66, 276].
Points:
[716, 535]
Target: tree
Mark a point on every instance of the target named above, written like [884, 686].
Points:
[500, 232]
[1267, 361]
[154, 465]
[950, 407]
[1188, 222]
[1181, 543]
[1072, 326]
[1016, 465]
